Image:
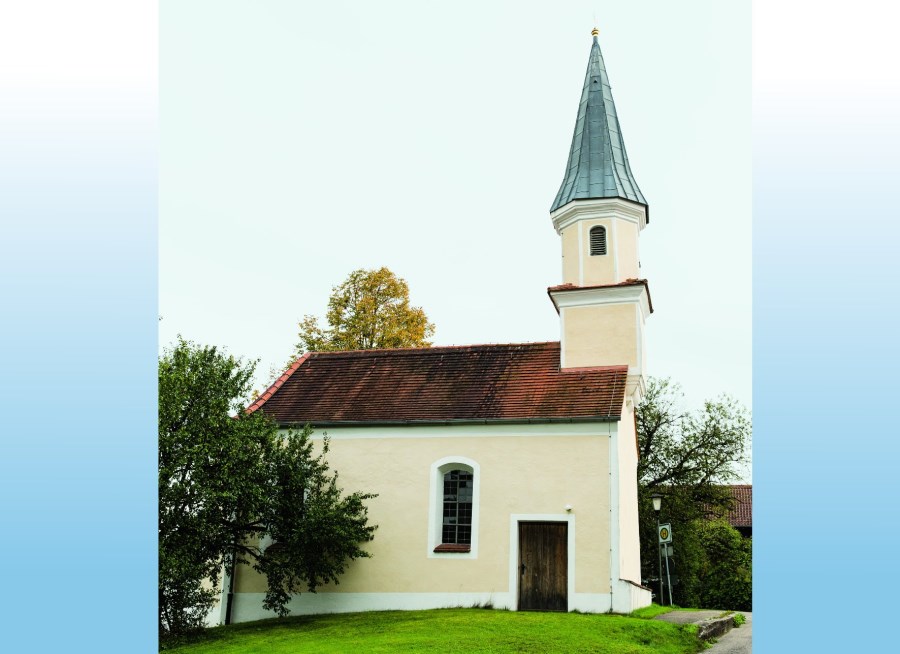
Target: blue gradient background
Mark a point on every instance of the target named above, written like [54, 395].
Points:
[826, 142]
[78, 256]
[78, 248]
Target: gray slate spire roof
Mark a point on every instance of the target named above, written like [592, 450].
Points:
[598, 165]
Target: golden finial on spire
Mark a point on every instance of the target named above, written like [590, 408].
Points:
[595, 31]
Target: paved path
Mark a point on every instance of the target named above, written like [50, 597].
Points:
[736, 641]
[687, 617]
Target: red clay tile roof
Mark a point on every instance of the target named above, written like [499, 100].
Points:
[742, 513]
[476, 383]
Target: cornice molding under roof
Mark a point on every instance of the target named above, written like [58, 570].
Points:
[599, 208]
[637, 293]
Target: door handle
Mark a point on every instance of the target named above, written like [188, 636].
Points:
[522, 569]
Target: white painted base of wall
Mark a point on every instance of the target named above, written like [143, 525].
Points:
[248, 606]
[216, 615]
[628, 597]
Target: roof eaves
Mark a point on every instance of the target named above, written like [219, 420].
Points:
[450, 421]
[645, 206]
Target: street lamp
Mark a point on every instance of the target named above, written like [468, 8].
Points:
[657, 505]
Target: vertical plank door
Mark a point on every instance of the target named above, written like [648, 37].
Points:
[543, 566]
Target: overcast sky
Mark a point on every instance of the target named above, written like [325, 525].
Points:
[302, 141]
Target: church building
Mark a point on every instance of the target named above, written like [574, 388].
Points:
[505, 474]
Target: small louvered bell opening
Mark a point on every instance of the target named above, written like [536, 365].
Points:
[598, 240]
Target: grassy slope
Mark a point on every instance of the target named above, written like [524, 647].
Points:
[448, 630]
[652, 611]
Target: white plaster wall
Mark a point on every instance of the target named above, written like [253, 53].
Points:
[601, 335]
[524, 470]
[629, 537]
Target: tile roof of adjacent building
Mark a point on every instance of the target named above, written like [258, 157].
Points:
[598, 164]
[473, 383]
[741, 514]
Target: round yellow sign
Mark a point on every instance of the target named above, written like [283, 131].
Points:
[664, 533]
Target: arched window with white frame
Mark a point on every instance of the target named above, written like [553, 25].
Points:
[453, 513]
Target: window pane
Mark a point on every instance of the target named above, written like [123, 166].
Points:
[457, 507]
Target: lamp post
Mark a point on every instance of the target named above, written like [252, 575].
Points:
[657, 505]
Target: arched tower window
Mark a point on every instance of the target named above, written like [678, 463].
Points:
[598, 240]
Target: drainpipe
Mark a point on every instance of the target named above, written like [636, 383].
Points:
[229, 601]
[613, 461]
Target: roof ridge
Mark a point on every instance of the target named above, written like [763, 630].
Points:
[430, 349]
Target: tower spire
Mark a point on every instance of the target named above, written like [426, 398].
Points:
[598, 164]
[599, 213]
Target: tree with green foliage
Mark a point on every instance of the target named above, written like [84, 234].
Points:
[687, 457]
[369, 310]
[316, 528]
[226, 478]
[725, 572]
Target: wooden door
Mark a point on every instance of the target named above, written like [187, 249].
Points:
[543, 566]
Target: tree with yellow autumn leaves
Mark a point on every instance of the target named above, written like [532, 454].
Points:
[369, 310]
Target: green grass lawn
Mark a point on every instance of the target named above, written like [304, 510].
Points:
[652, 611]
[447, 630]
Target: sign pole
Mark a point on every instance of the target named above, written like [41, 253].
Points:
[659, 552]
[664, 533]
[668, 577]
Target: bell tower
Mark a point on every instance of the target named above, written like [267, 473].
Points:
[599, 213]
